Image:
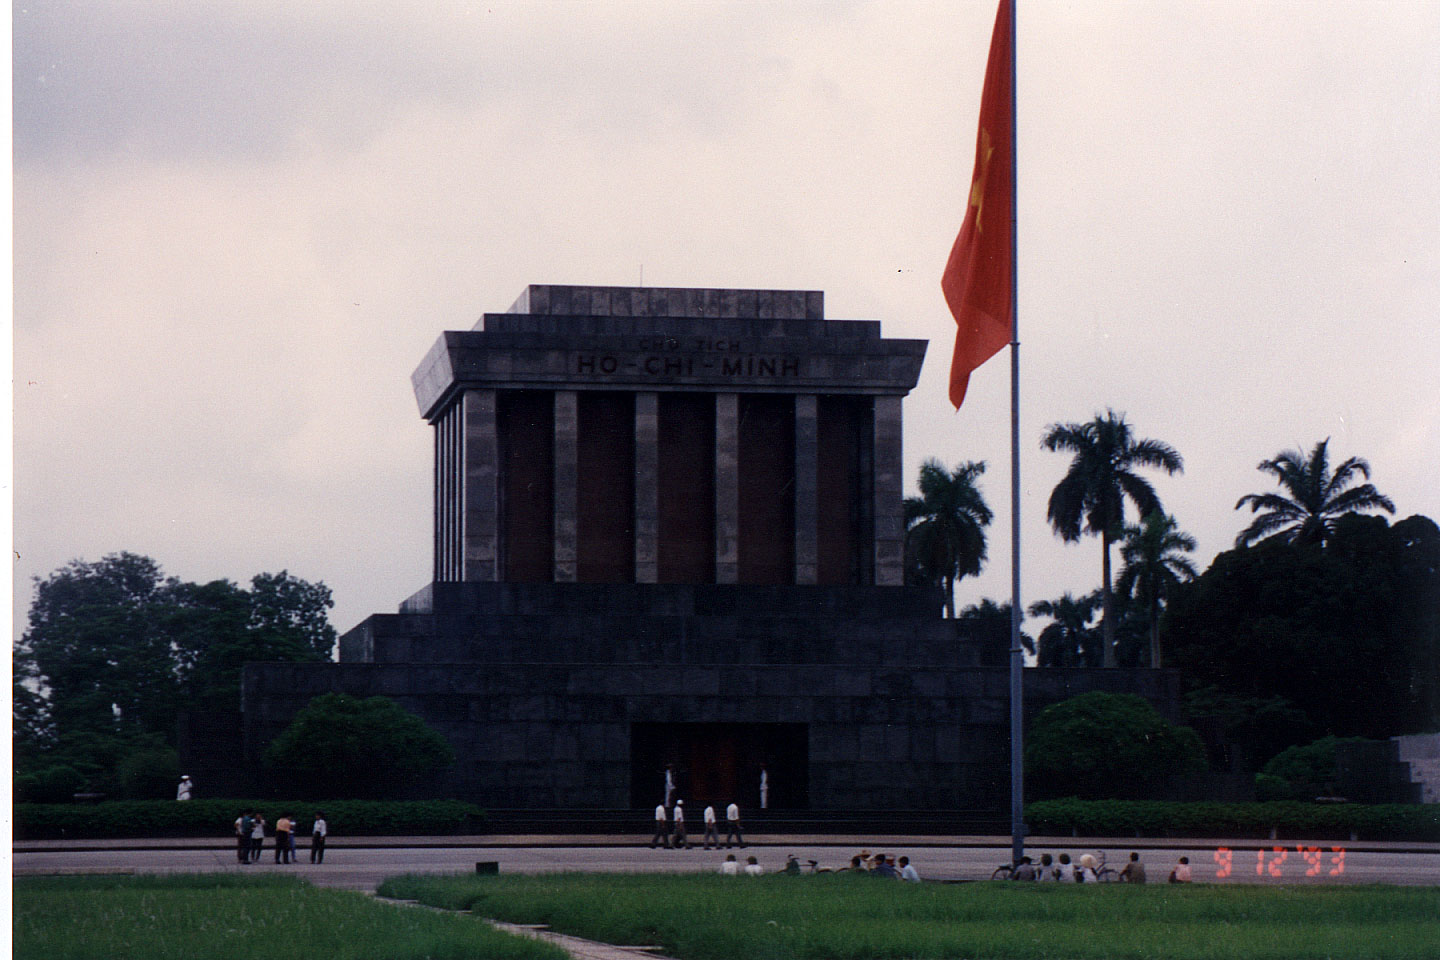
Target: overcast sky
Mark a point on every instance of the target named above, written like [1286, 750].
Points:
[239, 226]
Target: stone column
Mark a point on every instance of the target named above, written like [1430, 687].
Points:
[567, 456]
[889, 510]
[647, 487]
[727, 488]
[807, 542]
[480, 497]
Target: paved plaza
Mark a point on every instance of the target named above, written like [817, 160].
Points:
[361, 863]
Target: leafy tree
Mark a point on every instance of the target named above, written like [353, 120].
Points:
[295, 612]
[1316, 497]
[1256, 727]
[93, 645]
[114, 650]
[1107, 745]
[339, 745]
[1154, 565]
[945, 526]
[1094, 490]
[1348, 632]
[1069, 640]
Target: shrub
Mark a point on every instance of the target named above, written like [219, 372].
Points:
[362, 748]
[1107, 744]
[1076, 817]
[1304, 771]
[56, 784]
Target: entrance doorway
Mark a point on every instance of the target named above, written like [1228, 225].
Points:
[717, 763]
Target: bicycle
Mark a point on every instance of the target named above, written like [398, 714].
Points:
[1104, 874]
[1006, 871]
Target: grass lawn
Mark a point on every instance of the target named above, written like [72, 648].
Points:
[840, 917]
[226, 917]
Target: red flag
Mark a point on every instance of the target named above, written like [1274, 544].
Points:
[977, 279]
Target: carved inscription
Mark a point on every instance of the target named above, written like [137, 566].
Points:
[687, 359]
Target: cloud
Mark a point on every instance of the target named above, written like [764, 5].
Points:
[239, 226]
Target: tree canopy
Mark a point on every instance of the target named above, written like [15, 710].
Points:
[1106, 745]
[1317, 496]
[1101, 478]
[1346, 632]
[339, 745]
[114, 650]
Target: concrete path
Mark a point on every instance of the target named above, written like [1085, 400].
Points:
[360, 863]
[578, 948]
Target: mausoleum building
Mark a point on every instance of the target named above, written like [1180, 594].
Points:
[668, 533]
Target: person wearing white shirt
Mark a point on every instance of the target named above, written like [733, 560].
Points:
[662, 828]
[318, 833]
[732, 826]
[753, 868]
[712, 830]
[908, 872]
[677, 819]
[730, 868]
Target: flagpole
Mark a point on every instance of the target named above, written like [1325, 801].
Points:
[1017, 656]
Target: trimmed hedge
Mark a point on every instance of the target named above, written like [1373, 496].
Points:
[216, 818]
[1289, 819]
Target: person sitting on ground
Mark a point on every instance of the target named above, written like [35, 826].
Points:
[730, 868]
[1048, 870]
[855, 866]
[1181, 873]
[753, 868]
[792, 865]
[907, 872]
[1024, 870]
[1085, 873]
[883, 867]
[1134, 871]
[1063, 870]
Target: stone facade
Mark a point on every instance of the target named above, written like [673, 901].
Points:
[668, 533]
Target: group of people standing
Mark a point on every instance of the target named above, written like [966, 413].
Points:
[250, 837]
[671, 834]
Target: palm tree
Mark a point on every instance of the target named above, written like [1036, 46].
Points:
[1070, 640]
[1154, 565]
[945, 526]
[1316, 497]
[1100, 479]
